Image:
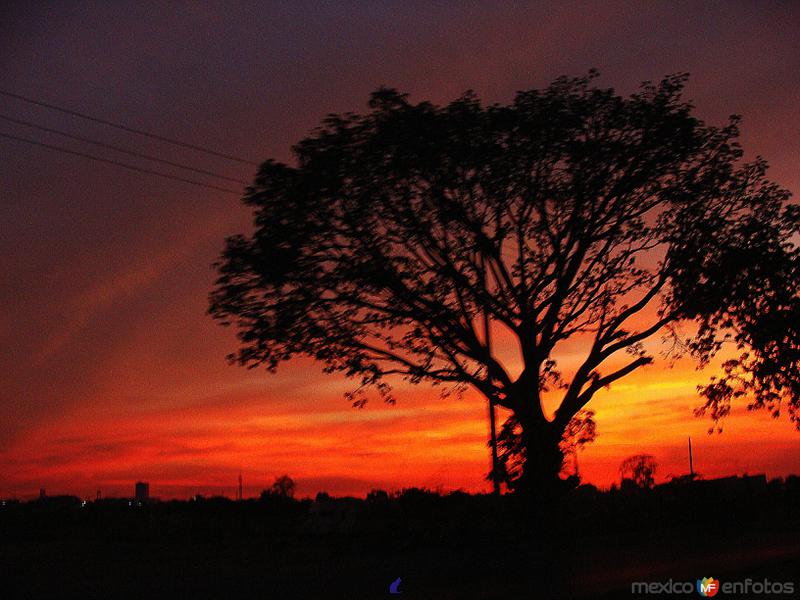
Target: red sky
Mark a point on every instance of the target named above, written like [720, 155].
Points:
[111, 370]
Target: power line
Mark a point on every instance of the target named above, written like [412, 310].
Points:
[120, 149]
[120, 164]
[149, 134]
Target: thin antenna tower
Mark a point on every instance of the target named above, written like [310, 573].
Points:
[691, 464]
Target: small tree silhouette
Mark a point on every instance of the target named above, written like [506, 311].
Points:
[282, 488]
[639, 469]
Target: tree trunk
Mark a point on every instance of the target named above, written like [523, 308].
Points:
[540, 483]
[540, 486]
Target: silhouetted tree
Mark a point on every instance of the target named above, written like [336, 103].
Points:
[283, 488]
[572, 212]
[640, 469]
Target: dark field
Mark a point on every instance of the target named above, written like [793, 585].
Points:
[453, 546]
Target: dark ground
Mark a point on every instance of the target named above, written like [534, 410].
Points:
[443, 547]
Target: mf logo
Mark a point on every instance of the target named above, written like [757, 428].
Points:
[394, 587]
[707, 586]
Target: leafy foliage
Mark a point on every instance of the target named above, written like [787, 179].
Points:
[764, 327]
[282, 488]
[640, 469]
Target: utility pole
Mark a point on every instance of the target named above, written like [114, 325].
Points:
[492, 419]
[691, 465]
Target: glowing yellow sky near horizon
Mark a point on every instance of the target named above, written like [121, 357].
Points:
[422, 441]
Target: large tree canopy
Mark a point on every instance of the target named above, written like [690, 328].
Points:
[573, 211]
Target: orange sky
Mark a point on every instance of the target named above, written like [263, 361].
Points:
[112, 372]
[200, 446]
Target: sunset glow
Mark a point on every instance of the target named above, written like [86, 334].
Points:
[113, 372]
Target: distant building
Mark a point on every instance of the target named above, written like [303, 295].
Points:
[142, 492]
